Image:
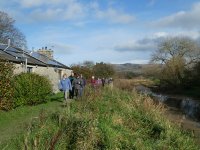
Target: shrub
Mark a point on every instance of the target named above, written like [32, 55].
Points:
[85, 71]
[6, 87]
[103, 70]
[31, 89]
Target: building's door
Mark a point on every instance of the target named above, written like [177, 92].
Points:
[60, 74]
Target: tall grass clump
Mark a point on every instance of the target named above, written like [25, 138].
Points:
[105, 119]
[31, 89]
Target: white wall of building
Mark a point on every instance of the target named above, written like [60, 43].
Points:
[53, 74]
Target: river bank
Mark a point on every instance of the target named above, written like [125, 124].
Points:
[193, 93]
[186, 124]
[181, 110]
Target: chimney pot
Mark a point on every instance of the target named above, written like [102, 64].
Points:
[8, 41]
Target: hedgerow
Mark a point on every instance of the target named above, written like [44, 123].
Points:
[6, 85]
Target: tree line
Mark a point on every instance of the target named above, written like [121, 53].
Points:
[89, 68]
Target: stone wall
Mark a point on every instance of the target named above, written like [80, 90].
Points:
[53, 74]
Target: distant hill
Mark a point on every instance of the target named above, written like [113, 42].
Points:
[129, 71]
[128, 67]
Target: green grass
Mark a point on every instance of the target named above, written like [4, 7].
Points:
[14, 121]
[107, 119]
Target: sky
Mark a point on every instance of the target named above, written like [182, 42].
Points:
[112, 31]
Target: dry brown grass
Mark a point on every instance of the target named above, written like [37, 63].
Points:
[129, 84]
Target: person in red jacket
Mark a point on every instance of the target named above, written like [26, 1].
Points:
[93, 82]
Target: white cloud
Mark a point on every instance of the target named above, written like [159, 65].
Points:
[160, 34]
[30, 3]
[42, 3]
[191, 34]
[111, 14]
[146, 44]
[98, 46]
[115, 16]
[45, 15]
[45, 10]
[140, 45]
[61, 48]
[149, 43]
[182, 19]
[66, 10]
[194, 34]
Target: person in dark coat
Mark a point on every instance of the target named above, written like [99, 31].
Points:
[71, 92]
[103, 82]
[83, 85]
[78, 85]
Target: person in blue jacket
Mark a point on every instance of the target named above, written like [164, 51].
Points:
[66, 86]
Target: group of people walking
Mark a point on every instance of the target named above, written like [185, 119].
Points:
[95, 83]
[73, 86]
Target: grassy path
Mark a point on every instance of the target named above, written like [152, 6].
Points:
[104, 119]
[14, 122]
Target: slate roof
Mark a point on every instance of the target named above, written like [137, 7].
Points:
[6, 56]
[48, 61]
[33, 58]
[17, 56]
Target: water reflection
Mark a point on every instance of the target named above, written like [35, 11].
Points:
[190, 107]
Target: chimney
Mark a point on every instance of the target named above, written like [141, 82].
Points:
[8, 41]
[46, 52]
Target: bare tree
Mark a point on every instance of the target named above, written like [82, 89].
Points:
[177, 47]
[177, 54]
[8, 30]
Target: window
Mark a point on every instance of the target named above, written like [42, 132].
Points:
[29, 69]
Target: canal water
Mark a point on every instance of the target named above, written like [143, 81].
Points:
[188, 106]
[184, 111]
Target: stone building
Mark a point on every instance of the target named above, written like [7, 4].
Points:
[35, 62]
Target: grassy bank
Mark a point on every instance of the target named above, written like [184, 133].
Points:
[13, 122]
[107, 119]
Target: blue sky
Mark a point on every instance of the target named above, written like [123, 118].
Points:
[112, 31]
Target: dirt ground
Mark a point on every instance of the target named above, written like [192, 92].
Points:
[179, 118]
